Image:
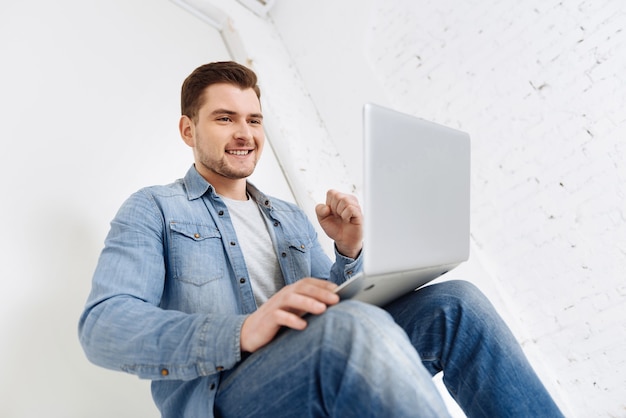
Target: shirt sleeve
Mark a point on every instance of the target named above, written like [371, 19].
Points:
[123, 327]
[345, 267]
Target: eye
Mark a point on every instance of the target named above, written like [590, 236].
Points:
[255, 121]
[224, 119]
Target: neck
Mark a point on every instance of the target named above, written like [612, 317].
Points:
[231, 188]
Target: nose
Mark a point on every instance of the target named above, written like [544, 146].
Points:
[243, 131]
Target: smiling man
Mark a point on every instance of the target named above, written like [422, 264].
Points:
[223, 297]
[226, 135]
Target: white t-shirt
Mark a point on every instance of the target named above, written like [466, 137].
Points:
[257, 248]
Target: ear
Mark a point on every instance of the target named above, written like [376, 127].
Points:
[187, 130]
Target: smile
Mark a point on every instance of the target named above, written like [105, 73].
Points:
[239, 152]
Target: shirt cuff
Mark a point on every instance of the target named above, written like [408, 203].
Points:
[351, 266]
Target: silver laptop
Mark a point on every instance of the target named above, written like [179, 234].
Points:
[416, 201]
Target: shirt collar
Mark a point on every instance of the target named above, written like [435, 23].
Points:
[197, 187]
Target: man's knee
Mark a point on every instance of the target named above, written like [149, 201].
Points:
[359, 312]
[349, 318]
[456, 290]
[456, 295]
[351, 324]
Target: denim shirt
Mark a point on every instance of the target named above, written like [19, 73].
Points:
[171, 289]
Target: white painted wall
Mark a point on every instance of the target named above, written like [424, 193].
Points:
[540, 87]
[89, 108]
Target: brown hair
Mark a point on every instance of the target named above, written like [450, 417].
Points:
[229, 72]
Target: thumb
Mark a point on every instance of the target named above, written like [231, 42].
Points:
[322, 211]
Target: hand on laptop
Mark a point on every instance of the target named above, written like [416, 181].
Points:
[342, 220]
[285, 309]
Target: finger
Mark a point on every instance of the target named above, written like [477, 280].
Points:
[348, 211]
[313, 302]
[315, 282]
[322, 211]
[289, 319]
[330, 195]
[345, 206]
[332, 199]
[345, 211]
[315, 291]
[309, 295]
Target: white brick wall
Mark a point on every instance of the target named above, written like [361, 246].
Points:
[540, 86]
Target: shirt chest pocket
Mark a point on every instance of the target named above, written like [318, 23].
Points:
[197, 254]
[299, 256]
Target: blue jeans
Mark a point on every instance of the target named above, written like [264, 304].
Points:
[356, 360]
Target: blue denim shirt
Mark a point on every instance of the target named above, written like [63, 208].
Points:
[171, 289]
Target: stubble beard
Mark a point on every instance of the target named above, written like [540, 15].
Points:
[222, 168]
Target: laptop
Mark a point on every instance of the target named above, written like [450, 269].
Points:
[416, 204]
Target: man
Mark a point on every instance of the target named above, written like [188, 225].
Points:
[224, 298]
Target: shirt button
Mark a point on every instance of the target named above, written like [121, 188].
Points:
[221, 213]
[165, 372]
[302, 246]
[212, 386]
[219, 368]
[196, 235]
[242, 280]
[276, 224]
[233, 243]
[284, 254]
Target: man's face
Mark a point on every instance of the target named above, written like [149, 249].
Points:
[228, 136]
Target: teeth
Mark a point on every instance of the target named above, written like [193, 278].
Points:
[237, 152]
